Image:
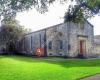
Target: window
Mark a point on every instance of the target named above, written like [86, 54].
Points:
[40, 39]
[69, 46]
[31, 41]
[61, 44]
[50, 45]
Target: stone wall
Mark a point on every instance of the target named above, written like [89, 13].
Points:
[97, 45]
[81, 32]
[64, 40]
[57, 34]
[33, 41]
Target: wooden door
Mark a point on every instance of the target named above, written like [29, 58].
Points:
[82, 47]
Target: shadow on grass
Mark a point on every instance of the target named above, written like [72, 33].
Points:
[57, 61]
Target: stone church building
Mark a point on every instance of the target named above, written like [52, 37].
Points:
[65, 39]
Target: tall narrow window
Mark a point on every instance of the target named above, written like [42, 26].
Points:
[61, 44]
[40, 39]
[23, 43]
[50, 45]
[31, 42]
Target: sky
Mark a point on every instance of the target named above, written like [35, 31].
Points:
[35, 21]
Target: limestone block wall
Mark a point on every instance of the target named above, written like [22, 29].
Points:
[89, 30]
[97, 49]
[33, 41]
[80, 32]
[55, 34]
[97, 45]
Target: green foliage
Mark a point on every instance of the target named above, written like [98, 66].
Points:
[75, 17]
[11, 31]
[84, 9]
[79, 17]
[93, 3]
[11, 7]
[90, 3]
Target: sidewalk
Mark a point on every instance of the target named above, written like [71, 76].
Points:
[95, 77]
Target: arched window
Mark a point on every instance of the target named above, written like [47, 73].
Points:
[61, 44]
[50, 45]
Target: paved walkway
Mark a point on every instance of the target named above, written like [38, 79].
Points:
[95, 77]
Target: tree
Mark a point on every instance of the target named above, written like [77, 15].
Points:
[11, 7]
[84, 9]
[10, 33]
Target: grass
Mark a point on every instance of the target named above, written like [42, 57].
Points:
[26, 68]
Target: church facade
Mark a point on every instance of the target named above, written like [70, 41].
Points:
[65, 39]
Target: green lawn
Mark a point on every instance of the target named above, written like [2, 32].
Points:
[27, 68]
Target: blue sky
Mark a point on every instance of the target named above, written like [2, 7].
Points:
[35, 21]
